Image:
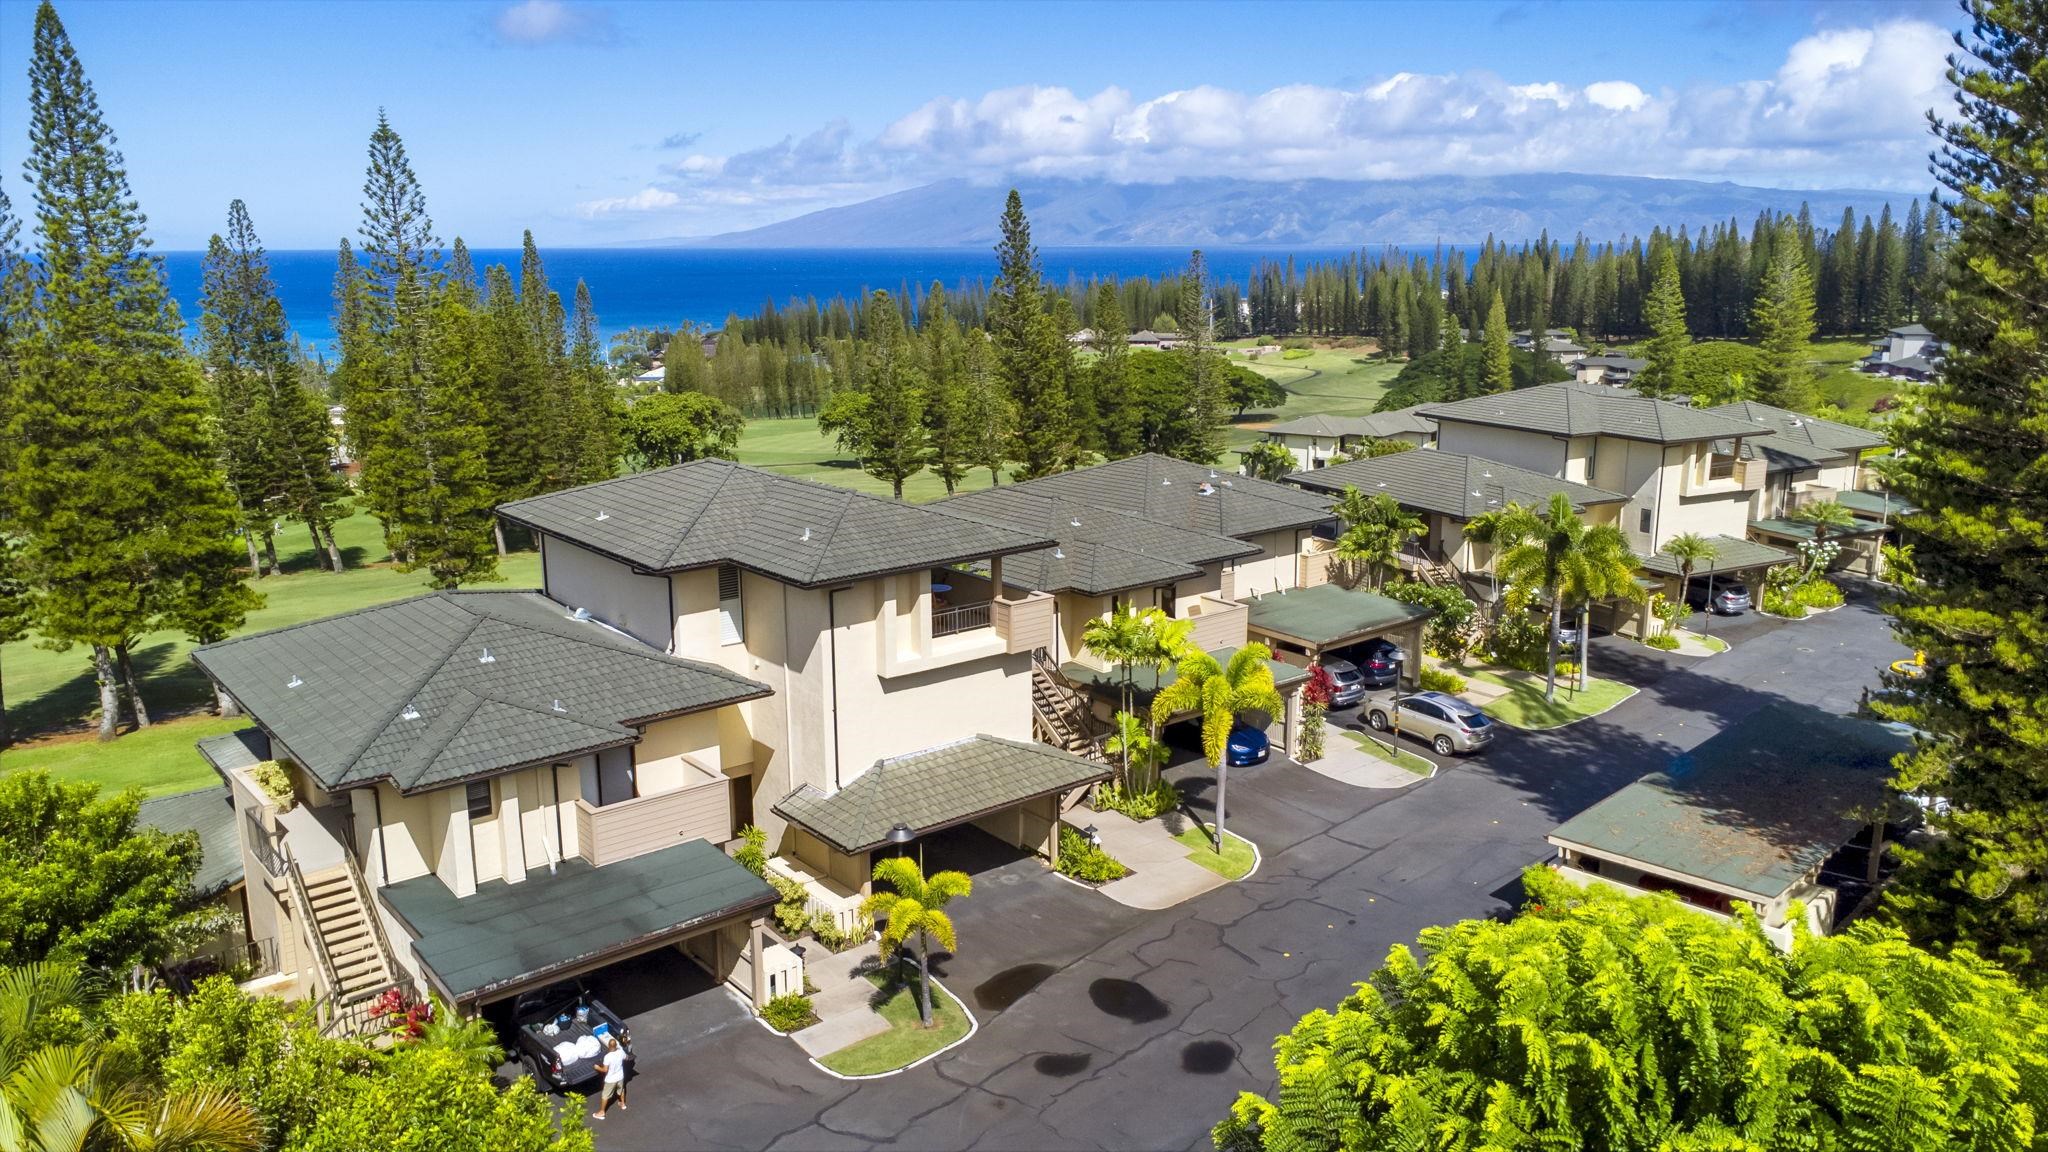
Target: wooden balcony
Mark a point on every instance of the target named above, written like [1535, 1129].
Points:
[1025, 624]
[1218, 623]
[629, 828]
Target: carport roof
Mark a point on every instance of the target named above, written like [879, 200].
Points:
[508, 937]
[1329, 614]
[934, 789]
[210, 812]
[1805, 530]
[1874, 505]
[1147, 681]
[1751, 810]
[1730, 555]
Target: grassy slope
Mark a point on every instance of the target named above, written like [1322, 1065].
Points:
[1834, 362]
[793, 446]
[52, 692]
[1329, 381]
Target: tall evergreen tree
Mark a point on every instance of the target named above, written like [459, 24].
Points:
[1782, 322]
[511, 381]
[1664, 310]
[112, 474]
[1203, 369]
[398, 235]
[277, 462]
[945, 389]
[1027, 353]
[593, 451]
[1974, 559]
[1497, 372]
[881, 421]
[462, 274]
[1120, 428]
[987, 416]
[17, 608]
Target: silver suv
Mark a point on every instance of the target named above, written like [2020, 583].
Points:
[1442, 721]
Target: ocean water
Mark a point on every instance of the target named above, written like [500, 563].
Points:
[646, 287]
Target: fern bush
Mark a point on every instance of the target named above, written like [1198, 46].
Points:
[789, 1013]
[1138, 804]
[752, 853]
[792, 910]
[1817, 593]
[1598, 1020]
[1085, 861]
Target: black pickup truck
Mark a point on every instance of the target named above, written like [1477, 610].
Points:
[573, 1014]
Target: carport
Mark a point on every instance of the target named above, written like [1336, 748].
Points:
[1739, 561]
[1008, 789]
[511, 938]
[1301, 624]
[1106, 687]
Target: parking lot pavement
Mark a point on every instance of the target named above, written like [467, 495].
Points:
[1109, 1027]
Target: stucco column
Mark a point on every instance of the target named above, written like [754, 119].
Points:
[757, 955]
[511, 834]
[995, 579]
[457, 865]
[1291, 726]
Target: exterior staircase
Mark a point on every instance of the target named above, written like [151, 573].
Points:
[352, 957]
[1062, 715]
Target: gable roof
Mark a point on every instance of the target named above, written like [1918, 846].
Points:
[1798, 430]
[404, 692]
[1754, 808]
[710, 512]
[1100, 550]
[1450, 483]
[1168, 491]
[1911, 330]
[1625, 363]
[1571, 409]
[1380, 424]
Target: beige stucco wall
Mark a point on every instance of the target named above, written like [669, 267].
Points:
[661, 759]
[1274, 567]
[1536, 451]
[631, 602]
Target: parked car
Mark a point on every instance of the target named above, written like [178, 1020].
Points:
[1439, 719]
[1245, 746]
[573, 1014]
[1568, 636]
[1728, 599]
[1350, 684]
[1378, 662]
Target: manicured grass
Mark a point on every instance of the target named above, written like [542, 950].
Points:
[907, 1040]
[793, 446]
[1711, 641]
[1327, 382]
[1525, 707]
[1237, 858]
[159, 760]
[50, 692]
[1400, 758]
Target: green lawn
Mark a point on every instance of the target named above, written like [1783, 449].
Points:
[159, 760]
[1237, 858]
[1396, 756]
[52, 693]
[793, 446]
[1525, 707]
[907, 1040]
[1326, 382]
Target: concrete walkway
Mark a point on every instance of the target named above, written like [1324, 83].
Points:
[1689, 644]
[1343, 760]
[842, 1001]
[1161, 873]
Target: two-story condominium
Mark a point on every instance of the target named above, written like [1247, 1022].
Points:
[1808, 461]
[490, 791]
[1313, 440]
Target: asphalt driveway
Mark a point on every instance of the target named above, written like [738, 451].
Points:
[1110, 1028]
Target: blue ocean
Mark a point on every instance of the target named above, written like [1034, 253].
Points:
[647, 287]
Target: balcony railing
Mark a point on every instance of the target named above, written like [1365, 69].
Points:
[965, 618]
[263, 844]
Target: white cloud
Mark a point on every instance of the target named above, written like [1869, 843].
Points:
[532, 22]
[1844, 108]
[648, 199]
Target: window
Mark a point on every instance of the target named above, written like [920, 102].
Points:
[1643, 521]
[1164, 597]
[479, 796]
[1424, 709]
[732, 623]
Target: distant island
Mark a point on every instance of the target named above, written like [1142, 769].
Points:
[1305, 213]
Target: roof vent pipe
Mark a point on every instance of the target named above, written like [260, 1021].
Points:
[487, 658]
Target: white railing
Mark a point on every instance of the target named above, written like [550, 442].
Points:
[965, 618]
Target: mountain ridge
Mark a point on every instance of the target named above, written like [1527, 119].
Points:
[1229, 211]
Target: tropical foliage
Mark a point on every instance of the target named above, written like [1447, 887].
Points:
[1218, 694]
[1595, 1020]
[1376, 528]
[915, 907]
[1560, 556]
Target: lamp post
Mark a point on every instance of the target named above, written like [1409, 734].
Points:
[901, 834]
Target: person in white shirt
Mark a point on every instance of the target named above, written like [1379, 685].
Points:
[614, 1064]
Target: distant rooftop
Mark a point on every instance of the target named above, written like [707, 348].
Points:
[1572, 409]
[1450, 483]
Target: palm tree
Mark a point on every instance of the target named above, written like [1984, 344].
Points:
[1605, 570]
[1118, 640]
[1376, 529]
[470, 1037]
[1826, 516]
[1162, 643]
[1564, 556]
[69, 1097]
[916, 906]
[1500, 529]
[1267, 461]
[1691, 550]
[1219, 692]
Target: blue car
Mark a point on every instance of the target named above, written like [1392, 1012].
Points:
[1246, 745]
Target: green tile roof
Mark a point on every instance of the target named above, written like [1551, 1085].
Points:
[1754, 808]
[1730, 555]
[240, 749]
[934, 789]
[1800, 441]
[1107, 684]
[1396, 422]
[1571, 409]
[211, 813]
[1450, 483]
[1329, 614]
[1804, 530]
[1874, 505]
[1170, 492]
[507, 937]
[716, 512]
[1101, 550]
[403, 692]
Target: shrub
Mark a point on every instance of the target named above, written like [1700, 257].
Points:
[790, 1012]
[1438, 680]
[276, 781]
[1663, 640]
[1137, 804]
[1294, 343]
[827, 932]
[1085, 861]
[1817, 594]
[753, 850]
[1567, 668]
[1312, 714]
[1296, 354]
[1445, 631]
[1778, 603]
[792, 911]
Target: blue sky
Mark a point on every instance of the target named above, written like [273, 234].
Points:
[595, 123]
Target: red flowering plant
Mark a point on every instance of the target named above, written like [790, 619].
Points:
[1315, 703]
[402, 1020]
